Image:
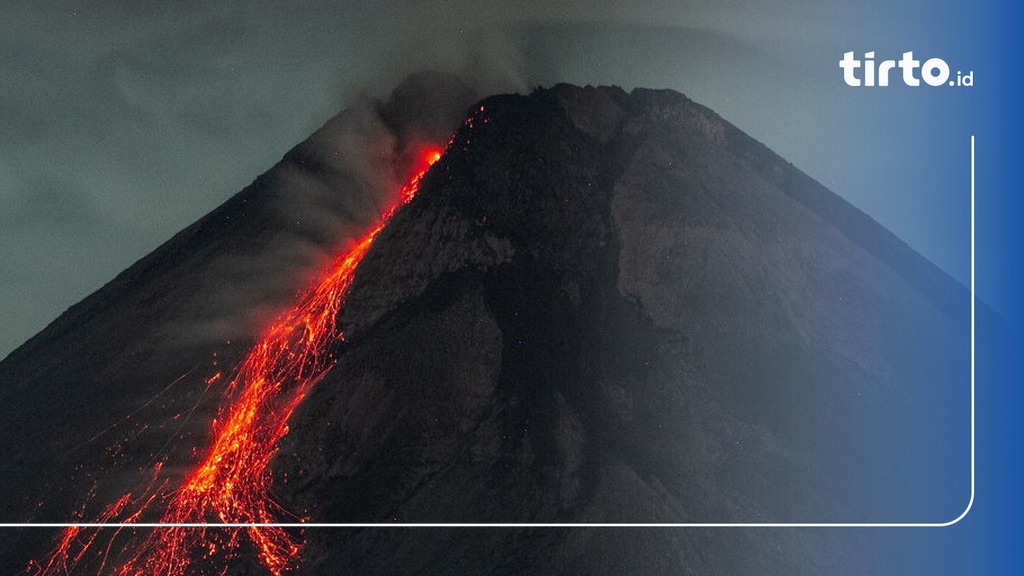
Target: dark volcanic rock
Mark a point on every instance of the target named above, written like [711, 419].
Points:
[602, 307]
[618, 308]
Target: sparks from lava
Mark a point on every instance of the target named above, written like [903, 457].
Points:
[232, 483]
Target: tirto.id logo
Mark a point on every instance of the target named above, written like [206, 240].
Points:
[934, 71]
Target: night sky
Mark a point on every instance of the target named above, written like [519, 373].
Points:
[121, 122]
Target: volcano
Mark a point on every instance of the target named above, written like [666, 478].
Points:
[598, 307]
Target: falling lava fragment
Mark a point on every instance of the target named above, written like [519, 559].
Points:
[232, 483]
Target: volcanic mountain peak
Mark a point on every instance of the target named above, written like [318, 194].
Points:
[600, 307]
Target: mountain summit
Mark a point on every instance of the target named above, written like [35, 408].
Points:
[600, 307]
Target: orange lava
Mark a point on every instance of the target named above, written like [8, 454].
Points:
[233, 481]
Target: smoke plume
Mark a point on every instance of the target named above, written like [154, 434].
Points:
[316, 201]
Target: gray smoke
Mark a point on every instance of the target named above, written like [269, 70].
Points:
[320, 199]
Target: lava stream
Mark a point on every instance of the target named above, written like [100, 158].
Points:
[232, 483]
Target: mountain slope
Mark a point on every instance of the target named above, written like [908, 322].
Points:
[601, 307]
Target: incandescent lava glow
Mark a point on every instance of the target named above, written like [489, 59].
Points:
[232, 482]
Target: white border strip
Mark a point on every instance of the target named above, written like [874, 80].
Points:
[970, 503]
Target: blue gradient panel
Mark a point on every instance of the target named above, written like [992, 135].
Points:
[992, 532]
[985, 37]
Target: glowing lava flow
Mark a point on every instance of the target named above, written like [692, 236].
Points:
[232, 484]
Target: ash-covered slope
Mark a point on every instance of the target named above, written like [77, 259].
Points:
[618, 308]
[601, 307]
